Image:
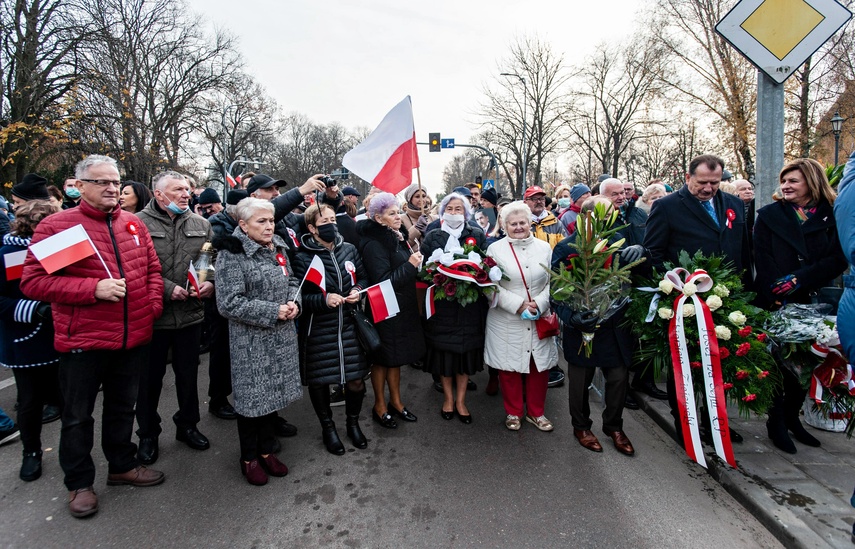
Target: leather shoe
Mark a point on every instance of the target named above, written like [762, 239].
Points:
[253, 472]
[630, 404]
[50, 413]
[650, 388]
[622, 443]
[467, 419]
[587, 439]
[31, 466]
[223, 411]
[386, 420]
[471, 386]
[283, 428]
[447, 416]
[273, 466]
[437, 386]
[138, 476]
[192, 438]
[148, 451]
[82, 502]
[403, 413]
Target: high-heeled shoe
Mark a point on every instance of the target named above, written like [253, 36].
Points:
[386, 420]
[447, 416]
[467, 419]
[403, 413]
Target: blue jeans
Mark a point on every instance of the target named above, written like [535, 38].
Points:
[80, 375]
[6, 422]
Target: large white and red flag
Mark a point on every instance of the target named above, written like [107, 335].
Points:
[388, 156]
[316, 274]
[63, 249]
[384, 304]
[14, 262]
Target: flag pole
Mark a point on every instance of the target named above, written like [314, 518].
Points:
[94, 247]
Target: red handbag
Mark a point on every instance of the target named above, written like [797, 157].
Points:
[547, 324]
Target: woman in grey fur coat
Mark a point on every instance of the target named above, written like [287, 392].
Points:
[258, 294]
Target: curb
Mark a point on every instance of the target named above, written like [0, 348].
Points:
[758, 496]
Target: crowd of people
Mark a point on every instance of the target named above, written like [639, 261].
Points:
[112, 319]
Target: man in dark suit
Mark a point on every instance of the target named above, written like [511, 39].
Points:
[698, 217]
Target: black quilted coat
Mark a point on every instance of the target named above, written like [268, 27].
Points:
[329, 350]
[454, 328]
[387, 258]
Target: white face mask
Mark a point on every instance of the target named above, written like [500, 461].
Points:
[454, 221]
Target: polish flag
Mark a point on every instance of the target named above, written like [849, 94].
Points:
[14, 264]
[63, 249]
[193, 278]
[388, 156]
[316, 274]
[384, 304]
[231, 181]
[430, 305]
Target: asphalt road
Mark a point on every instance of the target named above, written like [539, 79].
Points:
[429, 484]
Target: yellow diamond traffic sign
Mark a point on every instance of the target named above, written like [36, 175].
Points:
[779, 35]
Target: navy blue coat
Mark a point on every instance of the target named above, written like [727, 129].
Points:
[678, 222]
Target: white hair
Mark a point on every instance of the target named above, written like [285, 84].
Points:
[247, 207]
[82, 168]
[610, 182]
[517, 207]
[159, 181]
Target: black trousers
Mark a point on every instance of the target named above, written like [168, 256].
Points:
[80, 375]
[185, 363]
[37, 386]
[256, 435]
[219, 357]
[578, 381]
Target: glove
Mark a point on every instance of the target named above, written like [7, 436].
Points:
[43, 312]
[584, 321]
[631, 253]
[785, 285]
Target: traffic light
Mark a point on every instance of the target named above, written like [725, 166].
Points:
[434, 142]
[478, 181]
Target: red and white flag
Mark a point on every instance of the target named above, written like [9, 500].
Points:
[388, 156]
[193, 278]
[14, 264]
[316, 274]
[430, 305]
[231, 181]
[63, 249]
[384, 304]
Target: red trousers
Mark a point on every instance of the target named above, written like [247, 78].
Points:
[535, 384]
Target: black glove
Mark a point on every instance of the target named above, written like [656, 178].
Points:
[43, 313]
[631, 253]
[584, 321]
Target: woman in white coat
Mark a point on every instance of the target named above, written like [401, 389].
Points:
[512, 345]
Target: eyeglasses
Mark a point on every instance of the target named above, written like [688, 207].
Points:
[537, 199]
[103, 182]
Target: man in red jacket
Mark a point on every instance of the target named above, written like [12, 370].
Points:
[104, 307]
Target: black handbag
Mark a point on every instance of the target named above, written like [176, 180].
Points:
[366, 333]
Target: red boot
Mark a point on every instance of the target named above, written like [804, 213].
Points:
[273, 466]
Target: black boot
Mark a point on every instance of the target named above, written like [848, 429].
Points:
[776, 427]
[793, 401]
[352, 407]
[320, 397]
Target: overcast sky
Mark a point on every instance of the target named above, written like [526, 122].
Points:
[351, 62]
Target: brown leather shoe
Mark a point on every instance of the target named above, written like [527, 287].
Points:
[138, 476]
[587, 439]
[82, 502]
[622, 443]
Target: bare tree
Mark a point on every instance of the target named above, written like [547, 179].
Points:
[544, 101]
[143, 80]
[609, 112]
[463, 169]
[39, 42]
[707, 71]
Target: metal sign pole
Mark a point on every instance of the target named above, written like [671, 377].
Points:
[770, 138]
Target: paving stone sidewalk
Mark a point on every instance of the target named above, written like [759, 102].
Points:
[802, 498]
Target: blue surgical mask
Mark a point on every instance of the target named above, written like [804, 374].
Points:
[72, 192]
[563, 203]
[174, 208]
[526, 315]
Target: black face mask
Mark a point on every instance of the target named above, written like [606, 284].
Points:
[328, 232]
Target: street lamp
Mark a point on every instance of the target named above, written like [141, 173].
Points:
[836, 125]
[525, 102]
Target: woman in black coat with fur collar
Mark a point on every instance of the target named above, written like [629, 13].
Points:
[797, 252]
[329, 350]
[387, 256]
